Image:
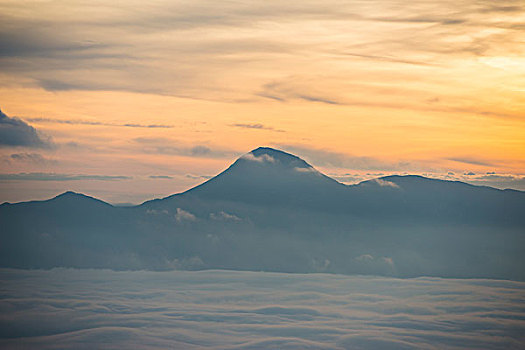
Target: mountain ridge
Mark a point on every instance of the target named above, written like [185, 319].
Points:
[272, 211]
[259, 155]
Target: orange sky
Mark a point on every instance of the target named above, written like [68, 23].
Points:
[127, 92]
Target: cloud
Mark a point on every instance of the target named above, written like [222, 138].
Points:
[321, 157]
[493, 176]
[306, 170]
[60, 177]
[223, 216]
[365, 257]
[198, 177]
[347, 178]
[183, 215]
[387, 59]
[200, 151]
[471, 160]
[24, 157]
[29, 158]
[256, 46]
[501, 181]
[157, 212]
[385, 183]
[294, 88]
[253, 310]
[311, 98]
[170, 147]
[256, 126]
[166, 177]
[497, 8]
[15, 132]
[263, 158]
[97, 123]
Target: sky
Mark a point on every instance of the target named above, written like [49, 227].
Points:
[128, 101]
[256, 310]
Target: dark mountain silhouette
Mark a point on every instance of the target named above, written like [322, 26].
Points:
[272, 211]
[266, 176]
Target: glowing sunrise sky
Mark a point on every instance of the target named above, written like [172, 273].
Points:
[133, 100]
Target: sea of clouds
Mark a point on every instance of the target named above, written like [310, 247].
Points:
[68, 308]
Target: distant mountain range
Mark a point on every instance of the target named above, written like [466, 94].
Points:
[272, 211]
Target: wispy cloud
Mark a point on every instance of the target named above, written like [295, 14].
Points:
[471, 160]
[198, 177]
[96, 123]
[183, 215]
[60, 177]
[159, 145]
[163, 177]
[321, 157]
[223, 216]
[294, 88]
[384, 183]
[385, 58]
[29, 158]
[130, 51]
[256, 126]
[264, 158]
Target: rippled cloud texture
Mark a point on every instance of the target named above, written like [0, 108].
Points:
[253, 310]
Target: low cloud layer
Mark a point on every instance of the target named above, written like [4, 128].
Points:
[508, 181]
[15, 132]
[254, 310]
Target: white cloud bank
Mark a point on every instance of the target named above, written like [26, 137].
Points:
[254, 310]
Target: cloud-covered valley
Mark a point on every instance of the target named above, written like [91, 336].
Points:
[86, 309]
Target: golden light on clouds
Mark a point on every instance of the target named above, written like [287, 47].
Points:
[180, 89]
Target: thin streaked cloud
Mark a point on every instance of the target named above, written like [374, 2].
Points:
[256, 126]
[95, 123]
[60, 177]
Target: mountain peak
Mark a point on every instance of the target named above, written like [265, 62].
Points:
[272, 152]
[271, 156]
[69, 196]
[267, 175]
